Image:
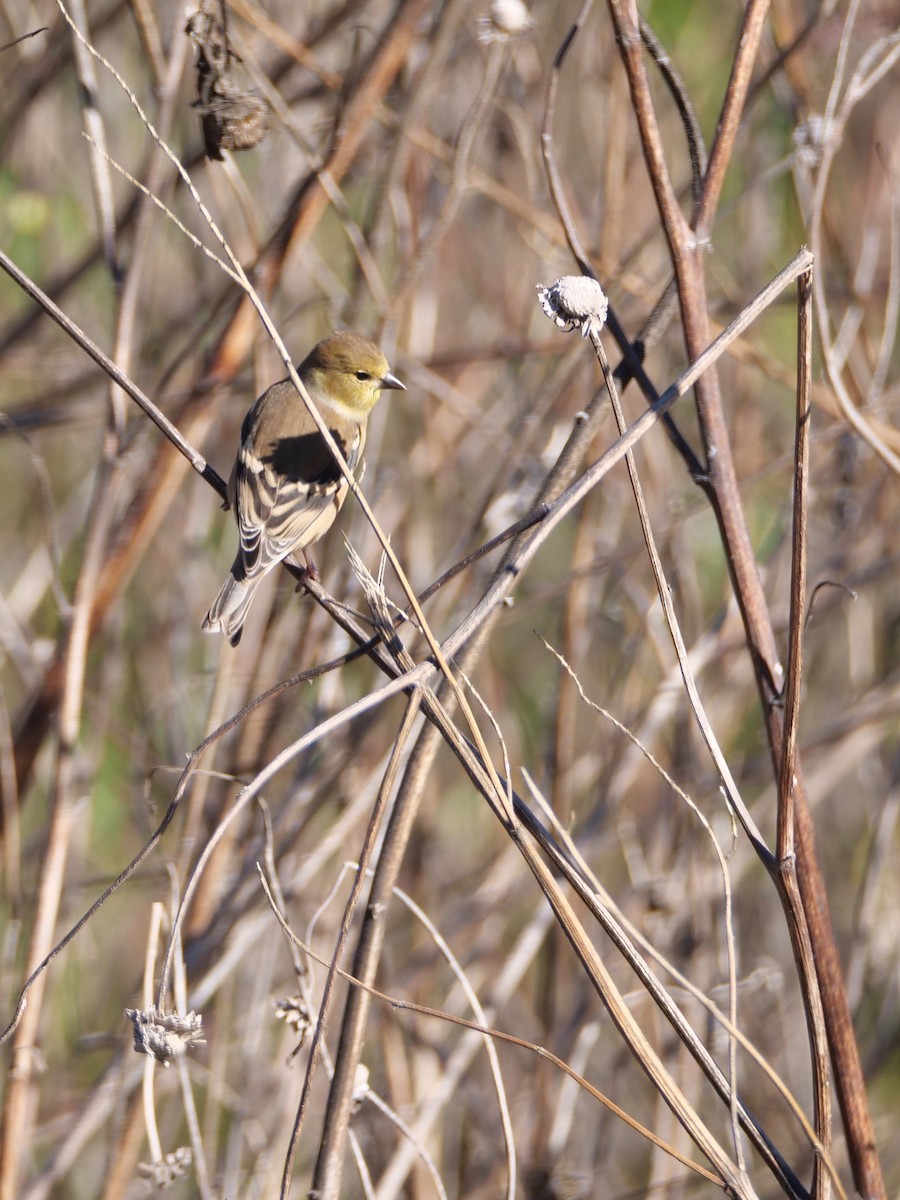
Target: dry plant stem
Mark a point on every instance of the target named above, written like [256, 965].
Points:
[9, 813]
[690, 122]
[797, 617]
[412, 1146]
[728, 125]
[440, 44]
[575, 621]
[22, 38]
[474, 1003]
[665, 599]
[151, 1125]
[151, 40]
[786, 854]
[15, 1135]
[132, 286]
[891, 310]
[326, 1181]
[427, 1161]
[511, 977]
[686, 249]
[342, 1083]
[201, 1171]
[104, 1109]
[310, 201]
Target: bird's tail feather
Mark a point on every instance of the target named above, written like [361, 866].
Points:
[229, 609]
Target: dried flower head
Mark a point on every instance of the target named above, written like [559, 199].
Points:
[505, 19]
[164, 1173]
[575, 301]
[232, 118]
[163, 1037]
[295, 1014]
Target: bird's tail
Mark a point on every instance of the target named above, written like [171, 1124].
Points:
[229, 609]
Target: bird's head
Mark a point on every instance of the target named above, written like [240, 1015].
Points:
[348, 371]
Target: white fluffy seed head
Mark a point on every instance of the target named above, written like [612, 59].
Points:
[575, 301]
[505, 19]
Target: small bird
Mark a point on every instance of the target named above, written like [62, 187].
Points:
[286, 487]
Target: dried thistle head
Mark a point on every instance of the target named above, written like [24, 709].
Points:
[575, 302]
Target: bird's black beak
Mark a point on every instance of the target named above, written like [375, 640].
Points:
[391, 381]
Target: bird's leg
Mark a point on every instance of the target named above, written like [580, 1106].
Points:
[310, 571]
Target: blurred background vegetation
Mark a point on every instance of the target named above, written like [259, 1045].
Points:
[430, 233]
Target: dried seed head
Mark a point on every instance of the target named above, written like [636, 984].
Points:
[232, 117]
[575, 301]
[235, 121]
[506, 19]
[295, 1014]
[172, 1167]
[163, 1037]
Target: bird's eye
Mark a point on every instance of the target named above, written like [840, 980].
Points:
[363, 375]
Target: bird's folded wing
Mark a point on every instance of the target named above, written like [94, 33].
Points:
[288, 500]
